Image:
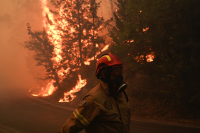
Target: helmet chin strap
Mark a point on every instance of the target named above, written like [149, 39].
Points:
[122, 87]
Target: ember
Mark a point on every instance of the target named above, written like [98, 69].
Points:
[149, 58]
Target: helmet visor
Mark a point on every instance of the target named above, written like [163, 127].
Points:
[117, 70]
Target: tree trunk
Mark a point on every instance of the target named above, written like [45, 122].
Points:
[79, 35]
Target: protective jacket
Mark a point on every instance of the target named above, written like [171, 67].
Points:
[100, 113]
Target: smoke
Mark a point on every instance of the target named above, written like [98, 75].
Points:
[106, 8]
[14, 58]
[17, 66]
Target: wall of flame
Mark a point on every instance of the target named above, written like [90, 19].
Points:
[55, 36]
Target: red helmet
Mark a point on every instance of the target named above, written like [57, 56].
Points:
[107, 60]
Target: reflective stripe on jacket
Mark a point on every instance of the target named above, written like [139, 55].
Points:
[100, 113]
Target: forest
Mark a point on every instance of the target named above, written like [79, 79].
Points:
[157, 41]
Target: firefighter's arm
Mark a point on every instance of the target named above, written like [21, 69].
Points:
[82, 116]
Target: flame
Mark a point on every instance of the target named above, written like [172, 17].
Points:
[149, 58]
[54, 34]
[48, 90]
[55, 37]
[145, 29]
[87, 62]
[69, 96]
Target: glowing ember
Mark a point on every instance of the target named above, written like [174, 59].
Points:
[150, 57]
[145, 29]
[69, 96]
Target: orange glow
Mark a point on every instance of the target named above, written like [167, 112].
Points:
[129, 41]
[145, 29]
[54, 34]
[69, 96]
[55, 37]
[149, 58]
[48, 90]
[87, 62]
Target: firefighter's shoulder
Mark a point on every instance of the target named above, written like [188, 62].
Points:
[88, 108]
[95, 95]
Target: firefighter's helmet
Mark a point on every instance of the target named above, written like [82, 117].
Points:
[108, 60]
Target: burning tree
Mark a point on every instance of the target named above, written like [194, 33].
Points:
[170, 28]
[43, 54]
[80, 24]
[69, 40]
[130, 34]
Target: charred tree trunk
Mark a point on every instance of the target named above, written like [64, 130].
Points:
[53, 71]
[94, 43]
[56, 78]
[93, 18]
[79, 33]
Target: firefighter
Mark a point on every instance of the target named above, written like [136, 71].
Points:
[105, 109]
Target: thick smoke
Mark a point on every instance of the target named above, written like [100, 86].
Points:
[17, 68]
[14, 58]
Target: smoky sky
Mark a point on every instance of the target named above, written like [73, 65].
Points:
[14, 58]
[17, 66]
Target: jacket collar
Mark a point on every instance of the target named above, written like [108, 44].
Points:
[105, 87]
